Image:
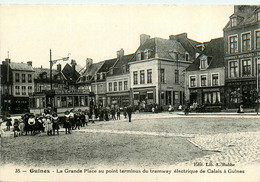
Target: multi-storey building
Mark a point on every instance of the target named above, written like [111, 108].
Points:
[157, 74]
[17, 82]
[118, 79]
[242, 54]
[205, 77]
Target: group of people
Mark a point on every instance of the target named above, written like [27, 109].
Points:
[48, 122]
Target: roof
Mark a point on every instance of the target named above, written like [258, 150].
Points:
[118, 67]
[20, 66]
[39, 71]
[214, 49]
[246, 15]
[107, 64]
[93, 69]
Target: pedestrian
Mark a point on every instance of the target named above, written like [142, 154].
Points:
[55, 123]
[106, 114]
[48, 125]
[113, 113]
[8, 122]
[77, 120]
[82, 118]
[72, 119]
[124, 111]
[118, 113]
[16, 128]
[129, 112]
[67, 124]
[40, 124]
[31, 124]
[21, 125]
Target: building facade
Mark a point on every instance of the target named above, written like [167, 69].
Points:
[205, 77]
[17, 83]
[242, 54]
[156, 75]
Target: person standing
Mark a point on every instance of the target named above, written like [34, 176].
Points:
[118, 113]
[67, 124]
[8, 123]
[55, 121]
[124, 111]
[129, 112]
[49, 125]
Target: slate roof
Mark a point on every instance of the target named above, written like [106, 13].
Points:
[107, 64]
[118, 67]
[20, 66]
[245, 17]
[214, 49]
[39, 71]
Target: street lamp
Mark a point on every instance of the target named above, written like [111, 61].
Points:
[52, 62]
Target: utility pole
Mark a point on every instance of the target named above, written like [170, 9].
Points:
[50, 70]
[257, 89]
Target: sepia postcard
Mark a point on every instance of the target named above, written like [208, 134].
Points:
[130, 92]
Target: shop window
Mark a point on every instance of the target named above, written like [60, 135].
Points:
[246, 42]
[142, 81]
[246, 67]
[235, 96]
[150, 95]
[233, 69]
[70, 101]
[233, 44]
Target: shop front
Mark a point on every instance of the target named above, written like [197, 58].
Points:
[121, 99]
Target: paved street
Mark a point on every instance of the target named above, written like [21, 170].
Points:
[149, 140]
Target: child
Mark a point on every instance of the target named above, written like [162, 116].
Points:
[8, 123]
[16, 128]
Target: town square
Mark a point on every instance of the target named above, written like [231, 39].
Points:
[130, 90]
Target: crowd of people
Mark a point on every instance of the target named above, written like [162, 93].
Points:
[50, 123]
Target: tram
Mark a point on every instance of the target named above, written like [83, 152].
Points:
[60, 100]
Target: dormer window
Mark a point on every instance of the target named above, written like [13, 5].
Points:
[258, 16]
[203, 62]
[186, 56]
[139, 56]
[233, 21]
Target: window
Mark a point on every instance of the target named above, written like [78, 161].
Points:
[17, 77]
[176, 73]
[17, 90]
[214, 79]
[125, 85]
[149, 76]
[162, 76]
[135, 77]
[29, 89]
[23, 90]
[146, 54]
[23, 78]
[233, 22]
[150, 95]
[233, 44]
[246, 42]
[246, 67]
[203, 64]
[203, 80]
[233, 66]
[110, 86]
[115, 86]
[258, 16]
[120, 86]
[186, 57]
[29, 78]
[142, 77]
[257, 39]
[139, 56]
[192, 81]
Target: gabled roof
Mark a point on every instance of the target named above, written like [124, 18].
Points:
[20, 66]
[107, 65]
[118, 67]
[214, 49]
[39, 71]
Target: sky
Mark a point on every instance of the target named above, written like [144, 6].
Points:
[28, 32]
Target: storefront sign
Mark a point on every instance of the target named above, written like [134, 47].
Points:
[243, 55]
[211, 90]
[193, 91]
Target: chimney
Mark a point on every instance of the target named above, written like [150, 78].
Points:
[73, 64]
[120, 53]
[89, 62]
[176, 37]
[59, 67]
[144, 38]
[7, 60]
[29, 63]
